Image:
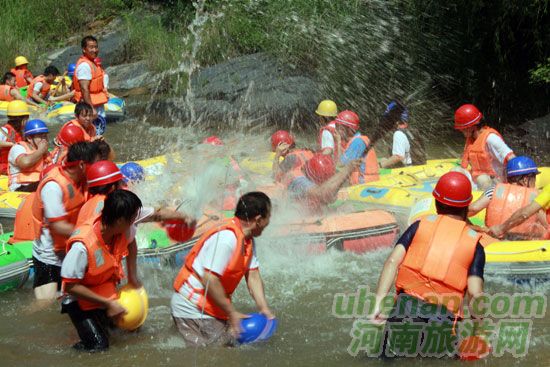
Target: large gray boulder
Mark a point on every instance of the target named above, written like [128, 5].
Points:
[534, 139]
[112, 50]
[252, 89]
[129, 76]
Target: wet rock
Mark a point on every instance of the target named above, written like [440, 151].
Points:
[112, 48]
[128, 77]
[534, 139]
[253, 89]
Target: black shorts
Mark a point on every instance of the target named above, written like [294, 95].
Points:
[46, 273]
[28, 188]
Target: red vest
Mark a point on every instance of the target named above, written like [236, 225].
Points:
[20, 77]
[331, 128]
[98, 93]
[91, 210]
[435, 268]
[104, 269]
[88, 133]
[368, 171]
[477, 155]
[231, 277]
[301, 156]
[73, 199]
[5, 93]
[43, 91]
[12, 136]
[31, 174]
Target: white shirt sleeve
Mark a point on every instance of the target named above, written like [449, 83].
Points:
[75, 262]
[83, 72]
[15, 152]
[144, 213]
[37, 87]
[254, 263]
[498, 148]
[52, 197]
[216, 253]
[106, 80]
[327, 140]
[4, 137]
[400, 145]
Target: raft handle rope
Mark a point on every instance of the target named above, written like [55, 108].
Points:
[541, 249]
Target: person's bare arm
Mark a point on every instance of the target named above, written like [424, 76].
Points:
[391, 161]
[519, 216]
[256, 290]
[327, 192]
[478, 205]
[387, 279]
[29, 160]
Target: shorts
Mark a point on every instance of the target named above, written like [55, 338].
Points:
[92, 326]
[28, 188]
[202, 332]
[46, 273]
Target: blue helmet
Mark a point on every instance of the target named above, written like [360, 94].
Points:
[519, 166]
[132, 172]
[393, 105]
[256, 327]
[70, 70]
[35, 126]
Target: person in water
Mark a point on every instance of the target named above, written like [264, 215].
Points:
[485, 152]
[21, 71]
[201, 304]
[93, 268]
[8, 90]
[504, 199]
[454, 267]
[28, 158]
[12, 132]
[315, 185]
[59, 197]
[407, 149]
[282, 143]
[39, 89]
[357, 146]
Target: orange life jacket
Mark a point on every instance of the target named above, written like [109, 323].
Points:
[59, 153]
[89, 133]
[231, 277]
[12, 136]
[98, 93]
[5, 93]
[20, 77]
[23, 227]
[435, 268]
[104, 269]
[331, 128]
[477, 155]
[91, 210]
[73, 199]
[31, 174]
[368, 171]
[45, 87]
[301, 156]
[508, 198]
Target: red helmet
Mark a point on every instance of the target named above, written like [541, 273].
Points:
[70, 134]
[348, 118]
[212, 140]
[98, 61]
[453, 189]
[467, 115]
[281, 136]
[102, 173]
[320, 168]
[178, 230]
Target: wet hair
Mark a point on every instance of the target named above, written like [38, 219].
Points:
[85, 40]
[103, 189]
[445, 209]
[17, 121]
[51, 70]
[103, 149]
[120, 204]
[82, 151]
[252, 204]
[81, 107]
[517, 179]
[9, 75]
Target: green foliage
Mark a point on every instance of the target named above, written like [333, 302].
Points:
[32, 28]
[541, 74]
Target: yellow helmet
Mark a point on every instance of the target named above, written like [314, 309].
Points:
[136, 311]
[327, 108]
[18, 108]
[21, 60]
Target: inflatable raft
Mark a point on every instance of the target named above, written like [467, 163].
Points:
[515, 259]
[62, 112]
[14, 267]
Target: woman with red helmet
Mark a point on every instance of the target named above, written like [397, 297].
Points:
[357, 146]
[316, 183]
[437, 260]
[485, 152]
[282, 143]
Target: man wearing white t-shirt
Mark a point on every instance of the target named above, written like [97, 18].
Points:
[88, 80]
[201, 304]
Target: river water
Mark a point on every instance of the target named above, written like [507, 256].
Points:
[300, 287]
